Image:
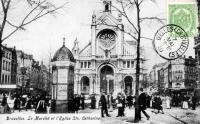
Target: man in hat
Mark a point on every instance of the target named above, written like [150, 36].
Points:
[142, 104]
[103, 105]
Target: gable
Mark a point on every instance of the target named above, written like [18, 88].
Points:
[107, 19]
[86, 51]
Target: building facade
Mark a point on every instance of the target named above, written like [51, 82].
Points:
[197, 47]
[9, 70]
[24, 68]
[178, 74]
[107, 63]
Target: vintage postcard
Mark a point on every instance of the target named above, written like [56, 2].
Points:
[100, 61]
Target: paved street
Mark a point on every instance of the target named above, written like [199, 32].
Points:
[171, 116]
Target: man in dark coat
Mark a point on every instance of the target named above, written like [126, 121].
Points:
[129, 99]
[142, 104]
[194, 100]
[83, 101]
[4, 103]
[103, 105]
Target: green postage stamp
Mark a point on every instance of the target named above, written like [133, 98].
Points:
[183, 15]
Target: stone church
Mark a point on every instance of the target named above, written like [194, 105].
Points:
[107, 63]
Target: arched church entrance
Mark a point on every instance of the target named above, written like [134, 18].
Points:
[85, 85]
[128, 84]
[107, 79]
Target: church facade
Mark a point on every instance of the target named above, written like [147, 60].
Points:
[107, 63]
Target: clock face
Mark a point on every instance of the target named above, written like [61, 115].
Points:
[107, 39]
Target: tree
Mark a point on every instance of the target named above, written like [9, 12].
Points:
[34, 10]
[134, 31]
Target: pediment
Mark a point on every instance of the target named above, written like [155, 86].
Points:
[107, 19]
[86, 51]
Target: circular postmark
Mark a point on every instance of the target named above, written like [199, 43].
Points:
[170, 41]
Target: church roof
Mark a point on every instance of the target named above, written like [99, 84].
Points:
[108, 19]
[63, 54]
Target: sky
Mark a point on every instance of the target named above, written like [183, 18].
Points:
[45, 36]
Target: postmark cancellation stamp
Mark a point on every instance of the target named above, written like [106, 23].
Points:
[171, 41]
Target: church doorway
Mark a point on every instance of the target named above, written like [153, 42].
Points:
[85, 85]
[107, 79]
[128, 84]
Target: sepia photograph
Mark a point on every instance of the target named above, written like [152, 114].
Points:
[100, 61]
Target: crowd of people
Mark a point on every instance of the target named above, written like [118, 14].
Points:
[39, 103]
[44, 104]
[157, 102]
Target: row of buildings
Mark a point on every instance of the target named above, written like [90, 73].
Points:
[179, 74]
[20, 73]
[174, 75]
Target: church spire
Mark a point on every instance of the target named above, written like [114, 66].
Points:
[63, 41]
[93, 18]
[75, 49]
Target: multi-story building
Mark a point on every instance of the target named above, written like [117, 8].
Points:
[24, 67]
[190, 73]
[156, 75]
[197, 47]
[178, 74]
[184, 73]
[9, 70]
[107, 63]
[46, 78]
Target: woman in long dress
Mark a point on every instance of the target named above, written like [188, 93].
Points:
[185, 102]
[168, 102]
[11, 103]
[119, 105]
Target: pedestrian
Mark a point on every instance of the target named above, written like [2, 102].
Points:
[173, 100]
[178, 100]
[123, 104]
[48, 104]
[119, 105]
[41, 107]
[129, 99]
[153, 99]
[168, 102]
[11, 103]
[83, 101]
[185, 102]
[76, 103]
[4, 104]
[194, 100]
[103, 103]
[142, 104]
[53, 106]
[148, 100]
[28, 103]
[159, 107]
[17, 104]
[93, 101]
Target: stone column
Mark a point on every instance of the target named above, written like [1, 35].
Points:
[98, 85]
[91, 85]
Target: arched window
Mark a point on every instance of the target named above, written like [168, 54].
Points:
[85, 85]
[128, 84]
